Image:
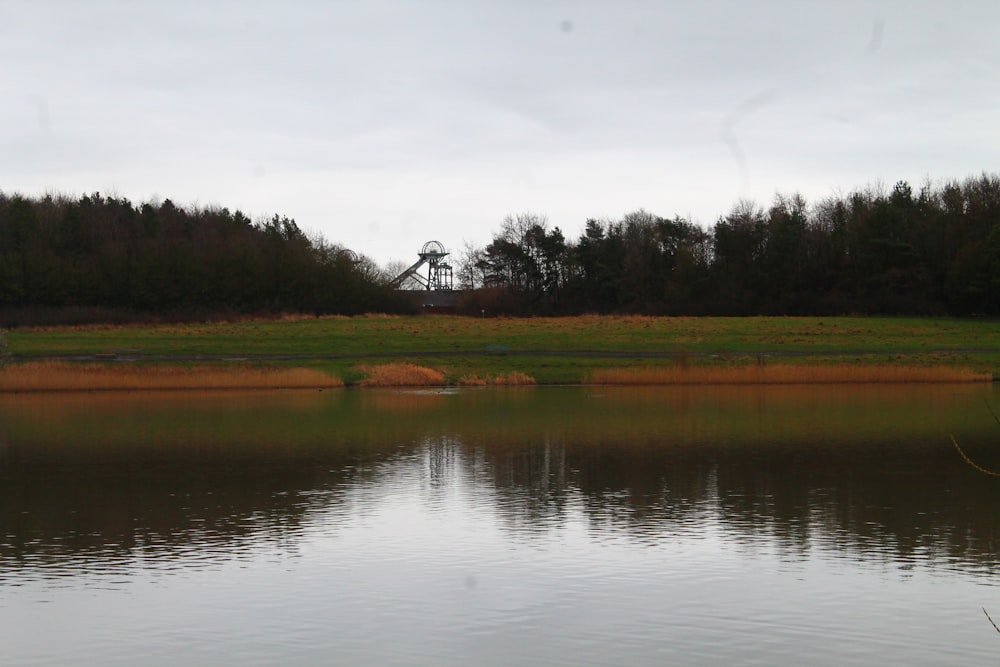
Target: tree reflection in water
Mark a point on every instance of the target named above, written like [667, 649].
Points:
[859, 472]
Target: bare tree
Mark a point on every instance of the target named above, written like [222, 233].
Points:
[471, 274]
[394, 268]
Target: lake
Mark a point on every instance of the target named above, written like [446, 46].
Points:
[535, 526]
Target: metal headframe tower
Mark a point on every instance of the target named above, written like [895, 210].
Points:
[439, 272]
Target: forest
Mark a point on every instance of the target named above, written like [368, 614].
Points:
[875, 251]
[103, 258]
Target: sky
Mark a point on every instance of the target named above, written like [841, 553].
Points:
[381, 125]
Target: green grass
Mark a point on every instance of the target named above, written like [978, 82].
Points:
[538, 346]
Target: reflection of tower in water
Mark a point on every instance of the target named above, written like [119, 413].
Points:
[532, 484]
[527, 485]
[443, 461]
[450, 465]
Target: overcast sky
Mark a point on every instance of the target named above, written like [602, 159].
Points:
[382, 125]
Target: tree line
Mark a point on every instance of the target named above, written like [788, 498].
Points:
[98, 252]
[874, 251]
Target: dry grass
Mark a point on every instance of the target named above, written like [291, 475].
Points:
[59, 376]
[512, 379]
[187, 326]
[401, 375]
[784, 374]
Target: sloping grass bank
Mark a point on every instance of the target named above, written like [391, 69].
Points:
[442, 350]
[416, 336]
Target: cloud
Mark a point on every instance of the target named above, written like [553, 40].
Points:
[381, 123]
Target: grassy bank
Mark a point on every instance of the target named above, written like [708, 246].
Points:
[455, 350]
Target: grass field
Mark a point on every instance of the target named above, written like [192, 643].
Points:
[543, 350]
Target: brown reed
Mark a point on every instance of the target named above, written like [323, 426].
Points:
[61, 376]
[784, 374]
[401, 375]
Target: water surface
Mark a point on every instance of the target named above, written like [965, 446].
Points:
[544, 526]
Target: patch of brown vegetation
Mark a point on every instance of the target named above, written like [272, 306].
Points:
[61, 376]
[401, 375]
[784, 374]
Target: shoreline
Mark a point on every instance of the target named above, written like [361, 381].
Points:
[66, 377]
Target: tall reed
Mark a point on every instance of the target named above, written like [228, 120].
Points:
[61, 376]
[784, 374]
[400, 375]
